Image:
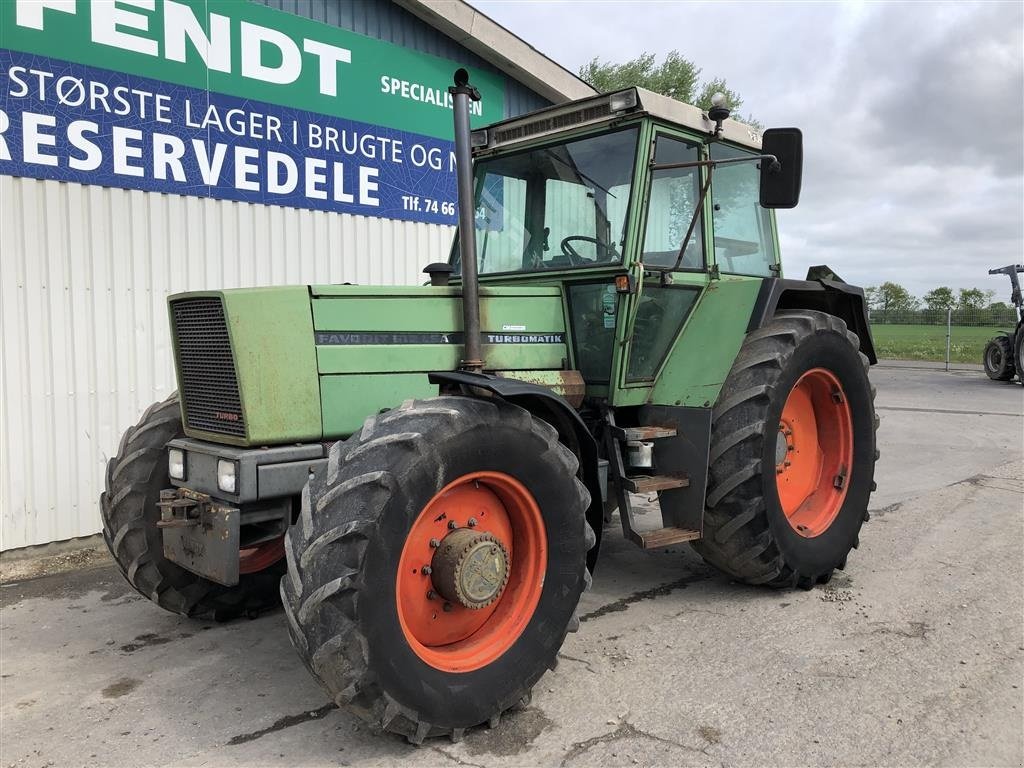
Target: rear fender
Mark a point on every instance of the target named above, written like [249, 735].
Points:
[556, 411]
[831, 296]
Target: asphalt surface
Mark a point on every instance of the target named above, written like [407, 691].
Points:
[914, 655]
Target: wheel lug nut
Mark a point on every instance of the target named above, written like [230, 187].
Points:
[471, 522]
[786, 463]
[435, 543]
[426, 570]
[447, 607]
[452, 525]
[431, 594]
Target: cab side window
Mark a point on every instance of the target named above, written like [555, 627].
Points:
[674, 194]
[743, 229]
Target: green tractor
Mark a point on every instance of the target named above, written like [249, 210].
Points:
[422, 475]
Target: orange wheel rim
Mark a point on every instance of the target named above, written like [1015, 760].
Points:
[449, 635]
[814, 452]
[255, 559]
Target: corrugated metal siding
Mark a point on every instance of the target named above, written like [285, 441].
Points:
[83, 319]
[384, 20]
[85, 271]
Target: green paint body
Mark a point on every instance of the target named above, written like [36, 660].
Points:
[271, 332]
[299, 385]
[701, 357]
[295, 390]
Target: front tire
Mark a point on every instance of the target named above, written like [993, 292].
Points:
[128, 507]
[385, 635]
[998, 358]
[792, 454]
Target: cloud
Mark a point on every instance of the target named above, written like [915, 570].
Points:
[912, 113]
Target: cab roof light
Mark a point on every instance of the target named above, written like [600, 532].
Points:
[623, 100]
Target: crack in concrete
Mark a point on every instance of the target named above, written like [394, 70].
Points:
[584, 662]
[883, 511]
[285, 722]
[833, 674]
[623, 603]
[625, 730]
[945, 410]
[686, 611]
[453, 758]
[985, 481]
[918, 630]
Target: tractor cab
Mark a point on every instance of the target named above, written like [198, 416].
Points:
[639, 208]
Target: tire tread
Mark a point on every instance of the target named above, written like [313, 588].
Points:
[737, 536]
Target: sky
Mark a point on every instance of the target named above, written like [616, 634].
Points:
[912, 115]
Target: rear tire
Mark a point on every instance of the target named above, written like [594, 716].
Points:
[344, 594]
[134, 480]
[998, 358]
[747, 533]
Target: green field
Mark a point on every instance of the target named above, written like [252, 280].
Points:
[928, 342]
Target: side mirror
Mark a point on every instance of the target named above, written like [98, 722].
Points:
[780, 182]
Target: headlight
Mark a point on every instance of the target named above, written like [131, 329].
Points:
[226, 475]
[176, 463]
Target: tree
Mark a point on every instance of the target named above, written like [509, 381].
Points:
[971, 298]
[891, 297]
[676, 76]
[940, 299]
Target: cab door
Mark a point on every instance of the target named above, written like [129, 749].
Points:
[670, 280]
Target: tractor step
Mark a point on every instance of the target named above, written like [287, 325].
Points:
[616, 441]
[665, 537]
[652, 483]
[632, 434]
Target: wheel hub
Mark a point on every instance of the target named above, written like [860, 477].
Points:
[470, 568]
[471, 571]
[783, 446]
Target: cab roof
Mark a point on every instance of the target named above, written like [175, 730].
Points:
[631, 102]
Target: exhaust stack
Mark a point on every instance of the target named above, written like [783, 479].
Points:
[462, 92]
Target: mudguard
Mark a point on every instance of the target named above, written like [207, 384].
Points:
[825, 294]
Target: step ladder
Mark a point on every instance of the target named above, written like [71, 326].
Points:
[616, 438]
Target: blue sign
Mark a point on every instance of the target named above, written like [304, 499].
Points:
[70, 122]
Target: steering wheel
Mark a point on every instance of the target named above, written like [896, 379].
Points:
[574, 257]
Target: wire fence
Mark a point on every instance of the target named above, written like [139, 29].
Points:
[968, 317]
[949, 336]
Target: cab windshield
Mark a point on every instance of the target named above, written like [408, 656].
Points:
[562, 206]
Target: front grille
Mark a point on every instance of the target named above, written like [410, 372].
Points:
[206, 367]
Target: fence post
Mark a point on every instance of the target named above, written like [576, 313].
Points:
[949, 328]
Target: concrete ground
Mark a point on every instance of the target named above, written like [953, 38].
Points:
[914, 655]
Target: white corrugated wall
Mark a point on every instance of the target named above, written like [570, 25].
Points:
[84, 344]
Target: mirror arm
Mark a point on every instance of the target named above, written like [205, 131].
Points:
[696, 215]
[713, 163]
